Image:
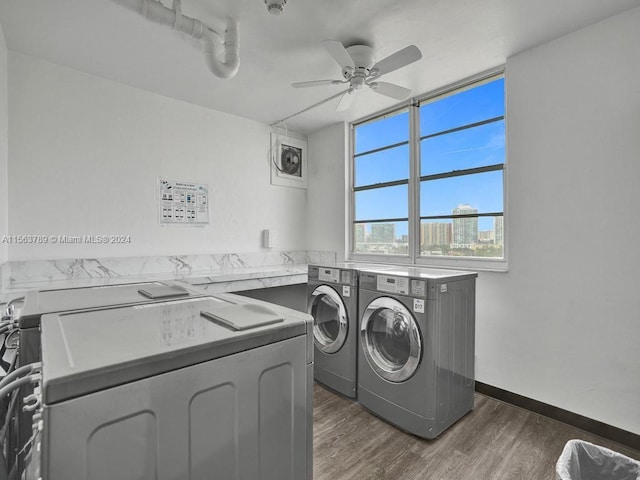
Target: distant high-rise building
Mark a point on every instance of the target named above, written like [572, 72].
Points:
[435, 234]
[383, 233]
[465, 230]
[498, 229]
[358, 232]
[485, 236]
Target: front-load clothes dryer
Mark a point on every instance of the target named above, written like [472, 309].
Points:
[197, 388]
[417, 346]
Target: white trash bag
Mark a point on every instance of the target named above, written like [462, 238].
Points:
[582, 460]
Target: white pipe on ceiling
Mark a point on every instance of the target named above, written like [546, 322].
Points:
[214, 44]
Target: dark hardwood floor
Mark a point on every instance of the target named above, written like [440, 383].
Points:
[493, 442]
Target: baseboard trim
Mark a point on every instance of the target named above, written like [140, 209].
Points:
[587, 424]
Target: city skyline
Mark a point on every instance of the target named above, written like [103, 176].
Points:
[436, 237]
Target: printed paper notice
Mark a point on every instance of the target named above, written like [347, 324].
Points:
[183, 203]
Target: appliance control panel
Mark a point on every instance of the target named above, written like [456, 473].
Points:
[390, 284]
[329, 275]
[418, 288]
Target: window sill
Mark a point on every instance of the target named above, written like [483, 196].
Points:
[454, 263]
[464, 263]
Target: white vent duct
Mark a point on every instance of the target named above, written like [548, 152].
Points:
[214, 44]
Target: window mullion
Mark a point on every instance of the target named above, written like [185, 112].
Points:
[414, 182]
[350, 246]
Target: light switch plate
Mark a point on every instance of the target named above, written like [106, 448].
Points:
[269, 238]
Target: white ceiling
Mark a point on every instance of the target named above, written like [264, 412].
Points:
[458, 38]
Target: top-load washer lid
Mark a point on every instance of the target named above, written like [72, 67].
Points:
[38, 303]
[243, 317]
[163, 291]
[89, 351]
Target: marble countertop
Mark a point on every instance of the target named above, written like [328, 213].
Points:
[231, 280]
[216, 272]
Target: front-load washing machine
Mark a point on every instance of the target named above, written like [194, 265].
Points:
[417, 346]
[199, 388]
[332, 301]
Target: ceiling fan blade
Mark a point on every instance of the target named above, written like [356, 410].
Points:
[316, 83]
[390, 90]
[346, 100]
[397, 60]
[339, 53]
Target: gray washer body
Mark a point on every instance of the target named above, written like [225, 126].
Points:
[331, 289]
[159, 391]
[336, 286]
[41, 302]
[440, 307]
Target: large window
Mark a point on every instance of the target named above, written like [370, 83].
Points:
[381, 186]
[428, 180]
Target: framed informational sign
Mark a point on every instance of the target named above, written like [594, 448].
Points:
[288, 161]
[183, 203]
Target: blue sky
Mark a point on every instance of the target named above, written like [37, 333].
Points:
[469, 148]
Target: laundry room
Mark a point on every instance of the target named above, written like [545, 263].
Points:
[232, 157]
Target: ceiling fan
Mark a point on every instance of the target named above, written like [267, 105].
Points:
[360, 69]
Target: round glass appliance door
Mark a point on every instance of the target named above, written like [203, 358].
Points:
[330, 322]
[390, 339]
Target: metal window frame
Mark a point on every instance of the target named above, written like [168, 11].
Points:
[413, 107]
[382, 220]
[463, 127]
[381, 149]
[373, 186]
[461, 215]
[461, 173]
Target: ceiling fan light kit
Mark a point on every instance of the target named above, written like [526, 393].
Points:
[275, 7]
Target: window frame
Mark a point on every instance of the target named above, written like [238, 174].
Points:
[414, 182]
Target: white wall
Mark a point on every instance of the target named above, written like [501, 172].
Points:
[563, 325]
[3, 147]
[326, 195]
[85, 154]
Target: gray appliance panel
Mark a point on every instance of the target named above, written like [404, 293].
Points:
[88, 351]
[333, 274]
[427, 283]
[442, 389]
[38, 303]
[338, 370]
[243, 417]
[423, 272]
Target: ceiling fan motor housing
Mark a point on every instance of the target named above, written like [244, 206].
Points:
[363, 60]
[362, 56]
